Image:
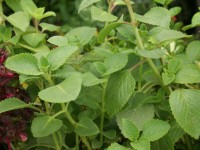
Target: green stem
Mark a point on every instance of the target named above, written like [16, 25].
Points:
[67, 114]
[87, 144]
[56, 141]
[188, 142]
[77, 142]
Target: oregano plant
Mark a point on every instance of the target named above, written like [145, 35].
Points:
[124, 82]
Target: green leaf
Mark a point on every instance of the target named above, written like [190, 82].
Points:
[14, 5]
[175, 11]
[58, 40]
[23, 63]
[161, 35]
[86, 3]
[141, 144]
[115, 63]
[110, 134]
[151, 17]
[58, 56]
[126, 31]
[28, 6]
[139, 115]
[195, 22]
[86, 127]
[48, 27]
[12, 104]
[130, 130]
[156, 53]
[193, 50]
[188, 73]
[101, 15]
[155, 129]
[174, 65]
[82, 35]
[168, 77]
[160, 1]
[90, 80]
[45, 125]
[119, 89]
[33, 39]
[66, 91]
[185, 107]
[20, 20]
[165, 143]
[116, 146]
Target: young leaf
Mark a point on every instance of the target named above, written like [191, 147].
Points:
[115, 63]
[86, 127]
[48, 27]
[119, 89]
[58, 40]
[101, 15]
[155, 129]
[141, 144]
[160, 1]
[193, 50]
[168, 77]
[116, 146]
[90, 80]
[185, 106]
[23, 63]
[33, 39]
[130, 130]
[175, 11]
[58, 56]
[189, 73]
[14, 5]
[161, 35]
[156, 53]
[106, 30]
[66, 91]
[86, 3]
[20, 20]
[12, 104]
[195, 22]
[151, 17]
[28, 6]
[43, 126]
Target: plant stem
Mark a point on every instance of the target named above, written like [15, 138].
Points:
[77, 142]
[56, 141]
[188, 142]
[141, 46]
[67, 114]
[86, 142]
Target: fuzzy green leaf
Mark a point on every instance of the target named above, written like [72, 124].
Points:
[193, 50]
[151, 17]
[48, 27]
[174, 65]
[86, 127]
[141, 144]
[58, 56]
[86, 3]
[14, 5]
[115, 63]
[66, 91]
[20, 20]
[43, 126]
[58, 40]
[33, 39]
[185, 107]
[28, 6]
[116, 146]
[168, 77]
[156, 53]
[161, 35]
[130, 130]
[23, 63]
[119, 89]
[155, 129]
[189, 73]
[90, 80]
[101, 15]
[12, 104]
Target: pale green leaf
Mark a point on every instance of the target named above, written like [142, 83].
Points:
[66, 91]
[12, 104]
[20, 20]
[101, 15]
[158, 16]
[14, 5]
[43, 126]
[119, 89]
[174, 65]
[58, 40]
[188, 73]
[116, 146]
[193, 50]
[115, 63]
[48, 14]
[90, 80]
[175, 11]
[165, 143]
[28, 6]
[126, 32]
[156, 53]
[155, 129]
[48, 27]
[141, 144]
[58, 56]
[160, 1]
[86, 3]
[185, 107]
[111, 134]
[168, 77]
[86, 127]
[23, 63]
[106, 30]
[33, 39]
[195, 22]
[130, 130]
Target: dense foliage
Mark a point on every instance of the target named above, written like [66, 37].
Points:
[108, 83]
